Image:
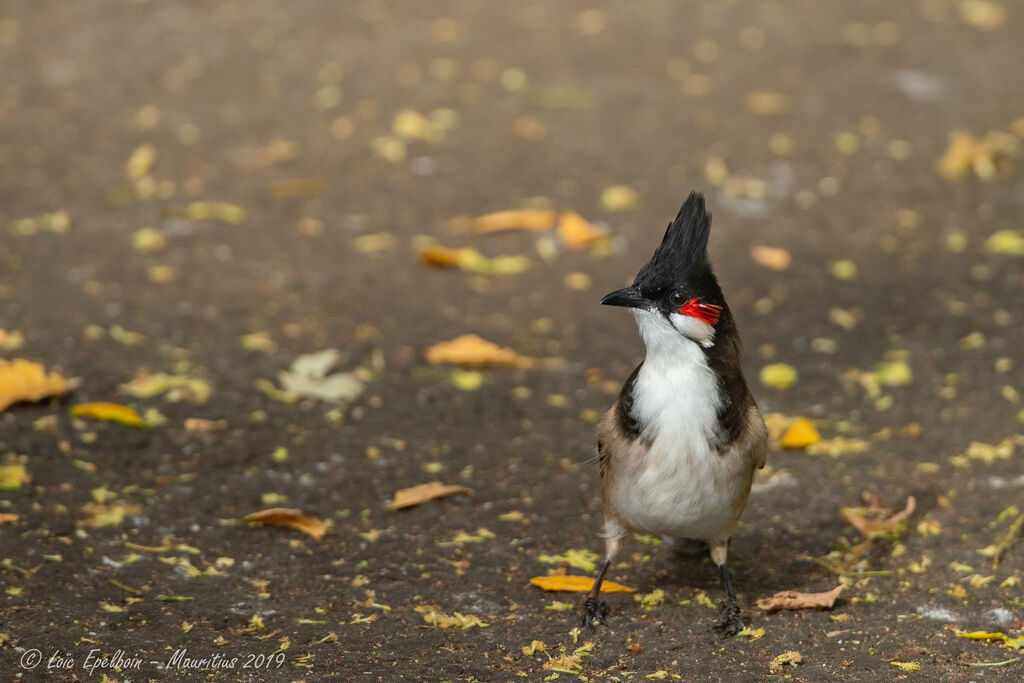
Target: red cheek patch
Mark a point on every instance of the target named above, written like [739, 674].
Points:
[706, 313]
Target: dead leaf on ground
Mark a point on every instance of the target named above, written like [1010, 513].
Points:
[469, 350]
[527, 219]
[773, 258]
[470, 260]
[307, 377]
[875, 521]
[423, 493]
[796, 600]
[8, 518]
[576, 584]
[578, 233]
[199, 424]
[175, 387]
[293, 519]
[109, 412]
[25, 381]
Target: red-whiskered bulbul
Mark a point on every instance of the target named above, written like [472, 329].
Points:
[679, 447]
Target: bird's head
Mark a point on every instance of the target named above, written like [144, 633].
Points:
[676, 292]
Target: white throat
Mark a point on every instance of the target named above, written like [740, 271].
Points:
[676, 394]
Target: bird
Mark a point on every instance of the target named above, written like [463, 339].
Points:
[679, 448]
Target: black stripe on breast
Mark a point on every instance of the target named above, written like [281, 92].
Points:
[624, 414]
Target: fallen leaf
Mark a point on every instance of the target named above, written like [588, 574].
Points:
[773, 258]
[576, 232]
[435, 617]
[199, 424]
[795, 600]
[232, 214]
[307, 377]
[148, 240]
[534, 647]
[619, 198]
[11, 341]
[778, 375]
[580, 559]
[289, 518]
[526, 219]
[752, 633]
[25, 381]
[109, 412]
[984, 14]
[576, 584]
[378, 241]
[467, 380]
[469, 350]
[966, 154]
[906, 666]
[800, 434]
[8, 518]
[792, 657]
[1009, 242]
[13, 476]
[472, 261]
[176, 387]
[875, 522]
[423, 493]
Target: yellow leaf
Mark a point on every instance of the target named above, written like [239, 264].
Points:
[109, 412]
[22, 380]
[289, 518]
[907, 666]
[470, 260]
[576, 584]
[980, 635]
[514, 220]
[13, 476]
[423, 493]
[467, 380]
[1009, 242]
[778, 375]
[619, 198]
[752, 633]
[534, 647]
[8, 517]
[472, 351]
[800, 434]
[773, 258]
[576, 232]
[580, 559]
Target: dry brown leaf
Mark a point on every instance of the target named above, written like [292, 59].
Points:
[576, 232]
[8, 518]
[199, 424]
[469, 350]
[798, 600]
[22, 380]
[576, 584]
[773, 258]
[514, 220]
[423, 493]
[860, 519]
[289, 518]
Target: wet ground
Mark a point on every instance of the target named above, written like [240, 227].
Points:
[822, 129]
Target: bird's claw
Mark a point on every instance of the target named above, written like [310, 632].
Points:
[730, 623]
[594, 612]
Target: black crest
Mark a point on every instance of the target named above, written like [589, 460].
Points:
[683, 253]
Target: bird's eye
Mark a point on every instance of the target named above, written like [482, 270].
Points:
[677, 299]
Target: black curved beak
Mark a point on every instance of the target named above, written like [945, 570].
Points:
[629, 297]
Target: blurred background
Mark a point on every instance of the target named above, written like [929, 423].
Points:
[200, 200]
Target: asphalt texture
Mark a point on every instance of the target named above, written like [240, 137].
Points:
[818, 128]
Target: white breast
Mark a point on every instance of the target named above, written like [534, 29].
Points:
[681, 486]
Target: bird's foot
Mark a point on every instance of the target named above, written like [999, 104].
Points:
[594, 612]
[730, 623]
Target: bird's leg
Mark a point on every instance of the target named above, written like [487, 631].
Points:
[595, 611]
[730, 623]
